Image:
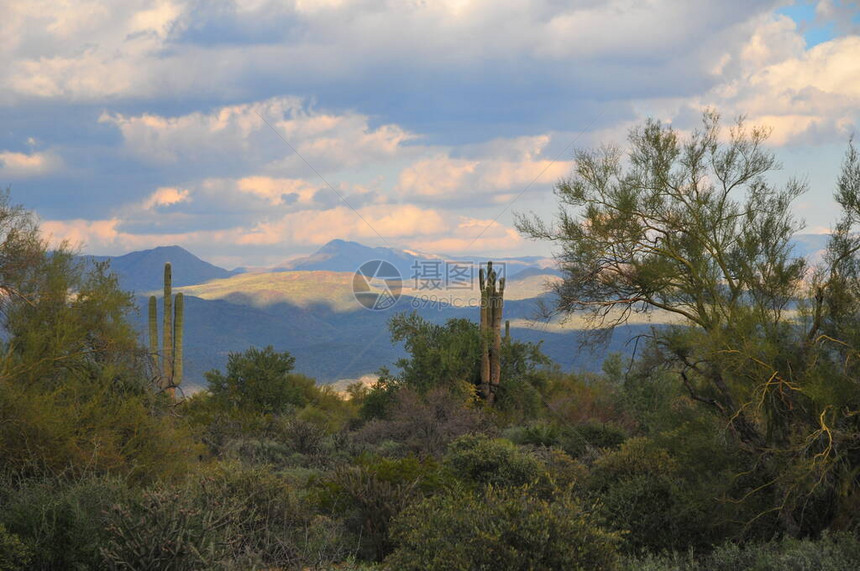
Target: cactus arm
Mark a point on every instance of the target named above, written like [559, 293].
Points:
[167, 344]
[153, 329]
[178, 322]
[485, 334]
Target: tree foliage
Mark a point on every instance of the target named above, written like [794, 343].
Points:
[690, 227]
[260, 380]
[74, 390]
[447, 357]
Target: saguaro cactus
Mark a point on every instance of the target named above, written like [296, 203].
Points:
[178, 322]
[170, 362]
[167, 332]
[492, 305]
[153, 327]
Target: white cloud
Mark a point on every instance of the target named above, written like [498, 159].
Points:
[239, 134]
[278, 190]
[516, 76]
[166, 196]
[305, 228]
[97, 234]
[84, 50]
[501, 166]
[805, 95]
[392, 222]
[96, 51]
[22, 165]
[472, 235]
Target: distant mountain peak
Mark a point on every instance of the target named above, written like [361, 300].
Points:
[143, 270]
[346, 256]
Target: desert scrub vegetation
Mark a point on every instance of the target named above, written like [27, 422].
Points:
[729, 441]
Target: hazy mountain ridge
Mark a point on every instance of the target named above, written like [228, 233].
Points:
[143, 270]
[310, 311]
[347, 256]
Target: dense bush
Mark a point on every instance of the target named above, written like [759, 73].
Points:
[588, 436]
[641, 493]
[14, 555]
[499, 529]
[424, 424]
[497, 462]
[230, 517]
[536, 434]
[369, 494]
[833, 552]
[62, 522]
[260, 380]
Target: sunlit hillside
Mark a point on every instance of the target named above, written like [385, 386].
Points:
[301, 289]
[333, 290]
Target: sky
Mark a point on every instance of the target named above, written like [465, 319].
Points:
[253, 131]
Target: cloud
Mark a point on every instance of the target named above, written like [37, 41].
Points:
[23, 165]
[472, 235]
[502, 165]
[278, 191]
[164, 117]
[808, 96]
[98, 234]
[236, 140]
[137, 50]
[84, 50]
[815, 95]
[166, 196]
[305, 228]
[239, 136]
[391, 222]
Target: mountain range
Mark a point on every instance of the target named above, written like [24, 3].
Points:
[144, 270]
[307, 307]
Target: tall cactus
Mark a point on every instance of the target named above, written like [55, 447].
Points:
[170, 361]
[167, 332]
[178, 321]
[492, 305]
[153, 329]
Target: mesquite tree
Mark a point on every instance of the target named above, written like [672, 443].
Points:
[692, 228]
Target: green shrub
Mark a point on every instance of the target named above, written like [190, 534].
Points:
[89, 426]
[166, 530]
[260, 380]
[641, 493]
[483, 460]
[499, 529]
[831, 553]
[576, 441]
[258, 451]
[424, 424]
[834, 552]
[62, 521]
[563, 472]
[371, 492]
[14, 554]
[232, 517]
[536, 434]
